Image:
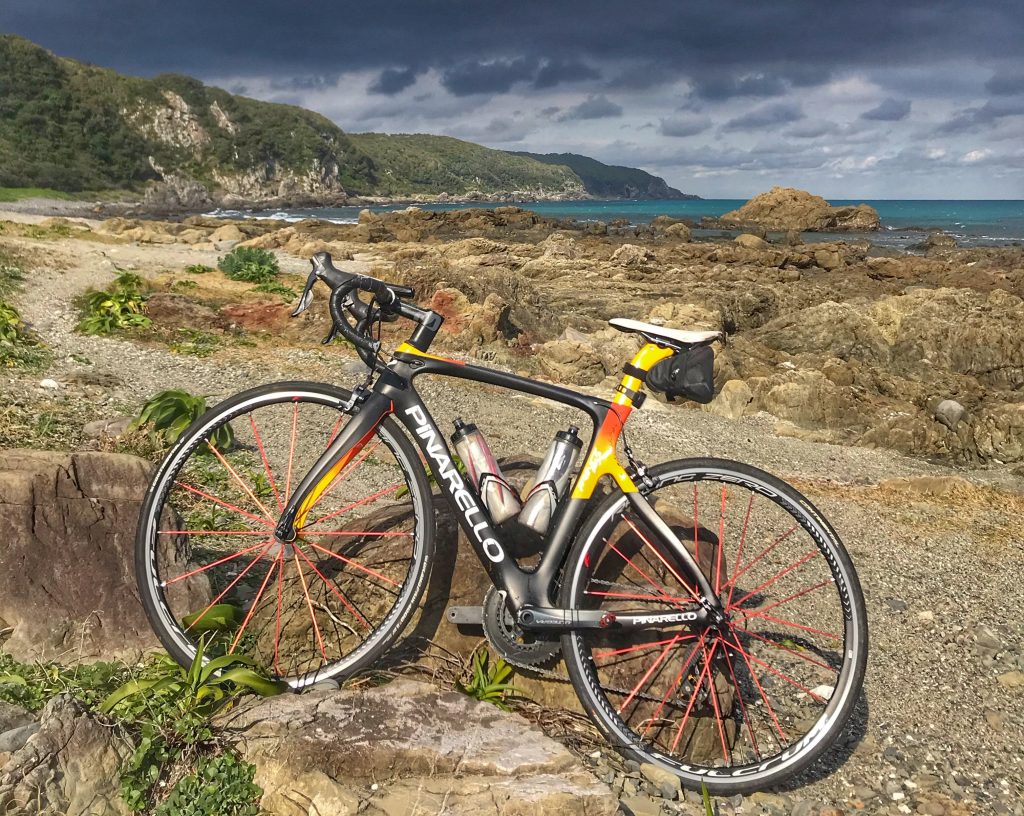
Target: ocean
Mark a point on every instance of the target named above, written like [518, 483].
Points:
[904, 223]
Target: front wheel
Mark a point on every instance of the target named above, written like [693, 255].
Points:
[322, 606]
[755, 700]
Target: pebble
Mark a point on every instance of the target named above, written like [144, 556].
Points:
[1011, 679]
[896, 604]
[48, 383]
[660, 777]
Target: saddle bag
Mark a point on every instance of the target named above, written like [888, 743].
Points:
[688, 374]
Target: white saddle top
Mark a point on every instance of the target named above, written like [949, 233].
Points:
[675, 335]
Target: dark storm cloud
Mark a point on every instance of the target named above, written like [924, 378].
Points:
[393, 80]
[727, 87]
[766, 116]
[555, 72]
[890, 110]
[684, 125]
[488, 76]
[593, 107]
[754, 46]
[983, 117]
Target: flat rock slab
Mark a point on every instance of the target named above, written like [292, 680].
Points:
[67, 522]
[408, 748]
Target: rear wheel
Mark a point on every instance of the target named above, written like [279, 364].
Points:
[323, 606]
[751, 702]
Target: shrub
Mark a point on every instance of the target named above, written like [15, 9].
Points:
[19, 347]
[119, 308]
[170, 412]
[198, 269]
[222, 785]
[249, 264]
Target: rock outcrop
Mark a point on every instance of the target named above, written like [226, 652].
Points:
[66, 565]
[408, 748]
[785, 208]
[70, 765]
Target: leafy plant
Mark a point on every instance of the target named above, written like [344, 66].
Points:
[274, 288]
[249, 264]
[221, 785]
[706, 797]
[30, 685]
[183, 285]
[116, 309]
[170, 412]
[11, 327]
[19, 347]
[198, 269]
[195, 342]
[488, 681]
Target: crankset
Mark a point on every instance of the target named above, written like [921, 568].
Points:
[515, 645]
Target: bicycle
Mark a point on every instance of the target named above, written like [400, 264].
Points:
[708, 615]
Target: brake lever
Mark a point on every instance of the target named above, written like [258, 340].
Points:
[307, 294]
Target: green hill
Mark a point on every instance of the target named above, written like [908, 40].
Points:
[72, 127]
[610, 180]
[421, 163]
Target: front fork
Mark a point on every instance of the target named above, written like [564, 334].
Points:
[342, 450]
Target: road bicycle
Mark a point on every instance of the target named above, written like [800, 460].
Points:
[708, 616]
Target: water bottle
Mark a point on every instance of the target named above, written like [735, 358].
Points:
[498, 496]
[541, 498]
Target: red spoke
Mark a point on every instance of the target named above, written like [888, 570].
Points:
[639, 646]
[768, 549]
[266, 463]
[743, 705]
[779, 646]
[256, 600]
[361, 533]
[238, 554]
[291, 455]
[355, 564]
[638, 597]
[335, 590]
[760, 688]
[674, 685]
[775, 671]
[664, 593]
[689, 708]
[228, 588]
[721, 544]
[343, 474]
[715, 706]
[224, 504]
[757, 614]
[238, 479]
[309, 603]
[277, 625]
[212, 532]
[354, 505]
[334, 430]
[795, 565]
[739, 551]
[661, 558]
[796, 595]
[649, 672]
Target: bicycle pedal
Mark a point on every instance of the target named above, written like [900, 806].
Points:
[465, 615]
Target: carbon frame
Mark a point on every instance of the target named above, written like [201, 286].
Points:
[395, 393]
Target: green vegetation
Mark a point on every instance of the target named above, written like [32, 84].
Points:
[196, 342]
[166, 415]
[274, 288]
[420, 163]
[221, 784]
[488, 680]
[119, 308]
[19, 346]
[198, 269]
[8, 194]
[250, 264]
[31, 685]
[609, 180]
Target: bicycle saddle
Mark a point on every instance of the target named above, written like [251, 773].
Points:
[659, 334]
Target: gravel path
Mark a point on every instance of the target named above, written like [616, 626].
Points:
[942, 724]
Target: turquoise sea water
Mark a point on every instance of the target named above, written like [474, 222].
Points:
[904, 223]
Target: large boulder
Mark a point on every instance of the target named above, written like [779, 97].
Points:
[785, 208]
[70, 765]
[67, 564]
[408, 747]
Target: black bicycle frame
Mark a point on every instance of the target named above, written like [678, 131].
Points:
[394, 393]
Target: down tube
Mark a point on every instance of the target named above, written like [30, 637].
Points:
[473, 518]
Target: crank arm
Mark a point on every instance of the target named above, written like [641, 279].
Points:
[567, 620]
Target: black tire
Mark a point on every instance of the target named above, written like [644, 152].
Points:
[409, 583]
[754, 770]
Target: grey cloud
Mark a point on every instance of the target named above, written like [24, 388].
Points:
[488, 76]
[393, 80]
[717, 88]
[1006, 84]
[595, 106]
[766, 116]
[813, 129]
[972, 119]
[890, 110]
[683, 126]
[554, 72]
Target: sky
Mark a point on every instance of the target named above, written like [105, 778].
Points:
[872, 99]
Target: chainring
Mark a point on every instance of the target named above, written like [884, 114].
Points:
[516, 646]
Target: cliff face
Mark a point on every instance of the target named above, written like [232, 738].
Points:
[611, 181]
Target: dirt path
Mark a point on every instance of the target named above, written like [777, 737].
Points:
[941, 572]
